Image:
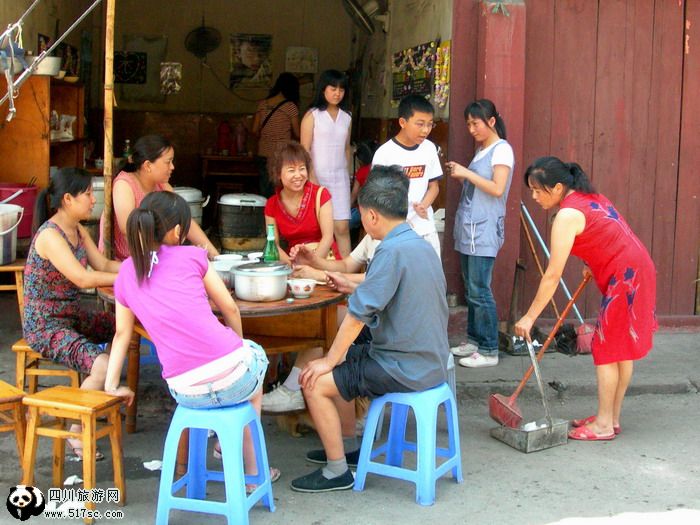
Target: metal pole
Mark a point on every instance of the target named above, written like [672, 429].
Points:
[546, 252]
[12, 27]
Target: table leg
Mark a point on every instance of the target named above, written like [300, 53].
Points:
[132, 379]
[19, 284]
[183, 451]
[329, 323]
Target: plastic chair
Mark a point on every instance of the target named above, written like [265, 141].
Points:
[425, 406]
[228, 423]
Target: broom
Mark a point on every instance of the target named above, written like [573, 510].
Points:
[584, 333]
[503, 409]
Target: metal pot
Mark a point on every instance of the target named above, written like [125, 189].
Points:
[261, 281]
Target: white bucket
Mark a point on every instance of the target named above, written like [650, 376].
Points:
[98, 190]
[10, 215]
[193, 197]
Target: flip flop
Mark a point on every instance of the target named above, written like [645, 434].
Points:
[274, 476]
[586, 434]
[590, 419]
[76, 447]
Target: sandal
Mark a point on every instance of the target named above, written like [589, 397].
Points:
[586, 434]
[274, 476]
[76, 447]
[590, 419]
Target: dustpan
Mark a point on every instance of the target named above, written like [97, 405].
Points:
[535, 435]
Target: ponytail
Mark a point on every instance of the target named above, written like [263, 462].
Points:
[147, 225]
[484, 109]
[147, 148]
[579, 180]
[547, 172]
[73, 181]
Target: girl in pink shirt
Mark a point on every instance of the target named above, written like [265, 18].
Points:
[168, 287]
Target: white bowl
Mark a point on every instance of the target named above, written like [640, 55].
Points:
[255, 256]
[229, 257]
[301, 288]
[223, 268]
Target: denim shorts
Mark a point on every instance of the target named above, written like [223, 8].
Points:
[239, 391]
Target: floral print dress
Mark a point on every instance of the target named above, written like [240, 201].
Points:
[625, 275]
[55, 324]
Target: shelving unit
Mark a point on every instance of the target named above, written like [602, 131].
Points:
[26, 148]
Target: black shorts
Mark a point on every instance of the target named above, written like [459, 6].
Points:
[362, 376]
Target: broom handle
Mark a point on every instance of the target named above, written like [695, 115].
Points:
[546, 344]
[546, 252]
[536, 257]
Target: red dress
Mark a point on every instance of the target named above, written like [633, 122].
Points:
[625, 275]
[304, 228]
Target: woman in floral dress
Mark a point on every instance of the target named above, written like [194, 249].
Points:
[55, 323]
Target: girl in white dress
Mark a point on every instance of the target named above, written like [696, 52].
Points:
[325, 133]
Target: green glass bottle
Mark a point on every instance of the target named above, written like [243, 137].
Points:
[271, 254]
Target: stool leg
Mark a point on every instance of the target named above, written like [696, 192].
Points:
[20, 370]
[232, 460]
[89, 448]
[258, 437]
[20, 425]
[453, 436]
[374, 416]
[165, 490]
[59, 456]
[397, 433]
[197, 464]
[115, 438]
[426, 441]
[132, 379]
[30, 447]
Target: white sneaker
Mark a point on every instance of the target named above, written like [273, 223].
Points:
[281, 399]
[464, 349]
[476, 360]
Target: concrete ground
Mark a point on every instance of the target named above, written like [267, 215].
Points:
[652, 468]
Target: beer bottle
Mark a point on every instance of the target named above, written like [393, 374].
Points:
[271, 253]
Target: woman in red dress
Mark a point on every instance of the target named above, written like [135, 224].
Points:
[588, 226]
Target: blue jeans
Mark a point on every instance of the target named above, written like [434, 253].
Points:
[238, 392]
[482, 318]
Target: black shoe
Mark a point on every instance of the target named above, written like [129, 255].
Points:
[316, 482]
[319, 456]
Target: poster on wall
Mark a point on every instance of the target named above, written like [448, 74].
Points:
[130, 68]
[170, 78]
[250, 60]
[413, 70]
[301, 60]
[441, 92]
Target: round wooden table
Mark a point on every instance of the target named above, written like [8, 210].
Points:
[278, 326]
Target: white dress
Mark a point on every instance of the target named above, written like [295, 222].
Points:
[329, 160]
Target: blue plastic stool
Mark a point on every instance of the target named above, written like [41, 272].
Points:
[228, 423]
[425, 406]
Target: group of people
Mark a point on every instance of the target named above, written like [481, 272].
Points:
[393, 336]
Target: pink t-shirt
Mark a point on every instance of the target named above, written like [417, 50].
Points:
[173, 307]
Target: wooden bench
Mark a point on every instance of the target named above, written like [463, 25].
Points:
[28, 368]
[17, 268]
[12, 415]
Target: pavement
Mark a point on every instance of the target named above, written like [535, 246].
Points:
[651, 469]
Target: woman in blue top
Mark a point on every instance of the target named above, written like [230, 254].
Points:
[479, 228]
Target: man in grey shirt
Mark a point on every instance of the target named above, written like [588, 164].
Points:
[402, 300]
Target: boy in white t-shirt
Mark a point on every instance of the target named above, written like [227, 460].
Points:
[418, 157]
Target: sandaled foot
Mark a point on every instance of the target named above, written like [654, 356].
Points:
[590, 419]
[274, 476]
[584, 433]
[76, 447]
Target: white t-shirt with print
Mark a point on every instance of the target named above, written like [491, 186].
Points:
[421, 165]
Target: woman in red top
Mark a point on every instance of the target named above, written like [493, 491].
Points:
[300, 215]
[588, 226]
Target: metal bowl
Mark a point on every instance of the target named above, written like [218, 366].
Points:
[261, 281]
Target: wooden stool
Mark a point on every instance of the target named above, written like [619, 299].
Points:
[12, 414]
[27, 368]
[16, 268]
[85, 406]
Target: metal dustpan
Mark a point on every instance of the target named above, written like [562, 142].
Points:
[535, 435]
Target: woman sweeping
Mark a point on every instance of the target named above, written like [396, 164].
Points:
[588, 226]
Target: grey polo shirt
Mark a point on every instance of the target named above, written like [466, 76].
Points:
[403, 302]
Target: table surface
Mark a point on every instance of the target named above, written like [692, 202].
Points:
[322, 296]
